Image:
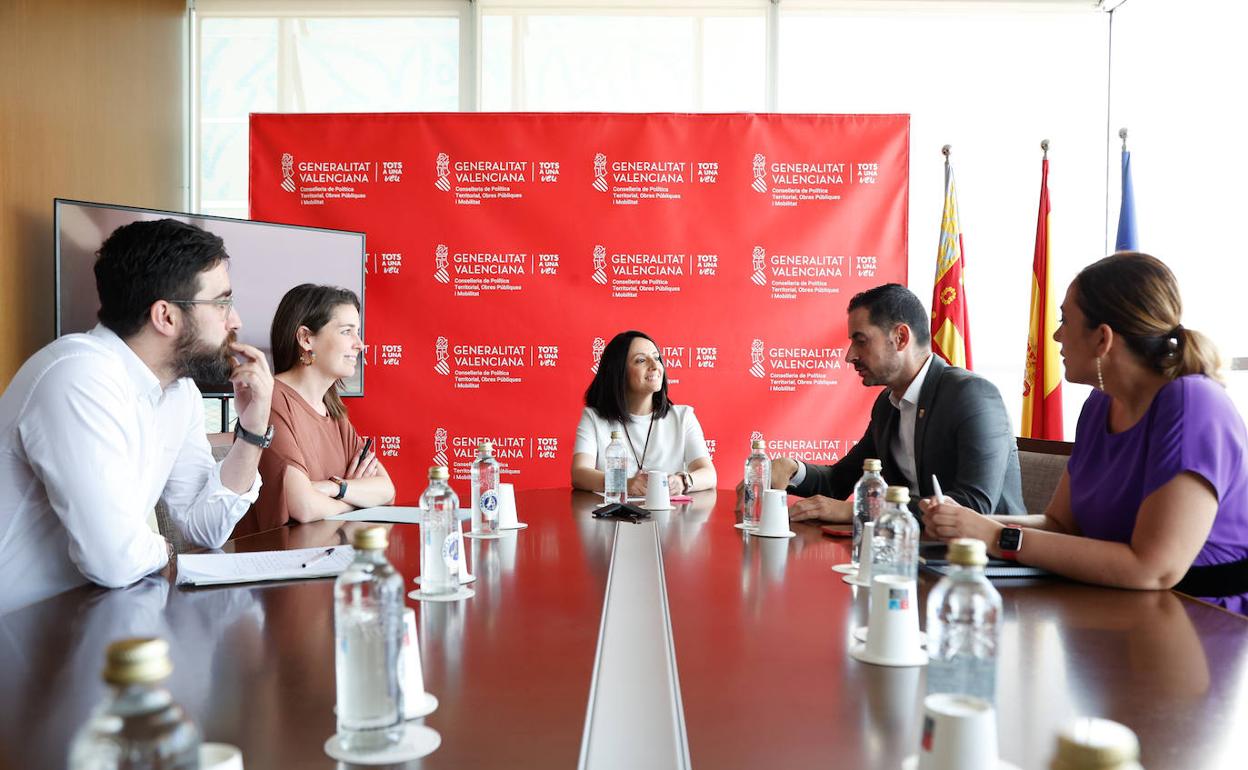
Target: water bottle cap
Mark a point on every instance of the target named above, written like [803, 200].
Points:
[137, 661]
[1095, 743]
[617, 434]
[897, 495]
[968, 552]
[371, 539]
[439, 472]
[872, 465]
[485, 446]
[758, 443]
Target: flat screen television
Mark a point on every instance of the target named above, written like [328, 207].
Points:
[266, 260]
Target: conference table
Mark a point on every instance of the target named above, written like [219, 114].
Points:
[544, 667]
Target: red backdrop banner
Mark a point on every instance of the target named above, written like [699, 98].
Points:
[504, 250]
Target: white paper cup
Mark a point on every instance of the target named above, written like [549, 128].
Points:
[863, 576]
[507, 518]
[775, 513]
[657, 496]
[959, 733]
[220, 756]
[893, 621]
[411, 677]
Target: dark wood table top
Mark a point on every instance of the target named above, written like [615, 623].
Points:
[761, 631]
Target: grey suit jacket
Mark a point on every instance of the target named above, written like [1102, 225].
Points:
[962, 434]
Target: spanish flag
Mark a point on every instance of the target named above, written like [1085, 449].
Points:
[1042, 379]
[951, 331]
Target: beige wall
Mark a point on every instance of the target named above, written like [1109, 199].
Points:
[91, 107]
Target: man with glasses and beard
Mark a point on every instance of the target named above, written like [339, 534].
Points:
[96, 427]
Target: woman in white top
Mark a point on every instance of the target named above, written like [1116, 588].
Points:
[629, 391]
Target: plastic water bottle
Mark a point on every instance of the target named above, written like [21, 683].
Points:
[895, 550]
[485, 490]
[868, 502]
[757, 481]
[615, 486]
[138, 727]
[439, 535]
[368, 630]
[964, 626]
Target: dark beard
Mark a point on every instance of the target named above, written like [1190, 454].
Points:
[192, 358]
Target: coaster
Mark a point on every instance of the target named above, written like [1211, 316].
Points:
[420, 706]
[486, 535]
[854, 580]
[912, 763]
[756, 533]
[454, 596]
[417, 741]
[748, 527]
[845, 569]
[915, 658]
[464, 579]
[668, 508]
[519, 525]
[860, 633]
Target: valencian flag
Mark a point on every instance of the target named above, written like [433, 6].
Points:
[1042, 380]
[1127, 240]
[951, 331]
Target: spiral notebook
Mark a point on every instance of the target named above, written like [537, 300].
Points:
[932, 557]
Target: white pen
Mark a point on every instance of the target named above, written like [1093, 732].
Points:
[317, 558]
[940, 495]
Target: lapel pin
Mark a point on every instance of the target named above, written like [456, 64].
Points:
[921, 411]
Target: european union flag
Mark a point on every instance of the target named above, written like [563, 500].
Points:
[1127, 240]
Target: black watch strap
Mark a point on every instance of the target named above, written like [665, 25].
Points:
[254, 438]
[342, 490]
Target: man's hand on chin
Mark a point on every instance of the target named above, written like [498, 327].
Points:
[820, 508]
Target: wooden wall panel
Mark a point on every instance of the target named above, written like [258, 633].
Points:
[92, 98]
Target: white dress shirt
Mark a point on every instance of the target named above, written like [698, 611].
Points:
[675, 441]
[902, 445]
[88, 443]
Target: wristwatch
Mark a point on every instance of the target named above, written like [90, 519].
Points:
[342, 489]
[1010, 542]
[687, 479]
[254, 438]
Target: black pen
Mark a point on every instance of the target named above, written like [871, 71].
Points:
[368, 444]
[317, 558]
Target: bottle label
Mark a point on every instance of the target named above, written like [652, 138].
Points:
[450, 553]
[899, 598]
[489, 501]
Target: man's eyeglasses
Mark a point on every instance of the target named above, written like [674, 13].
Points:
[224, 304]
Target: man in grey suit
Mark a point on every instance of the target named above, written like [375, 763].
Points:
[931, 418]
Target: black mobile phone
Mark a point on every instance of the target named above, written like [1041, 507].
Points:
[368, 444]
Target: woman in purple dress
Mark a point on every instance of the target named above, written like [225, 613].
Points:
[1155, 495]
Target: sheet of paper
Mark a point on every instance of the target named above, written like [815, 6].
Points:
[204, 569]
[391, 514]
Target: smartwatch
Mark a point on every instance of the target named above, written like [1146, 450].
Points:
[687, 479]
[1010, 542]
[254, 438]
[342, 490]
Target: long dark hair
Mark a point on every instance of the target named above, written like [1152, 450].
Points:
[608, 393]
[1137, 296]
[311, 306]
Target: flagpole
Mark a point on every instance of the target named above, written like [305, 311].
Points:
[1122, 134]
[1044, 145]
[946, 150]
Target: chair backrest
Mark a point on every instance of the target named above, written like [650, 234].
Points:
[1041, 464]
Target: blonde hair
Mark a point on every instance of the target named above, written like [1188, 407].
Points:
[1137, 296]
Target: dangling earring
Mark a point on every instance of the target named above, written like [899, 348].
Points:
[1100, 380]
[307, 357]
